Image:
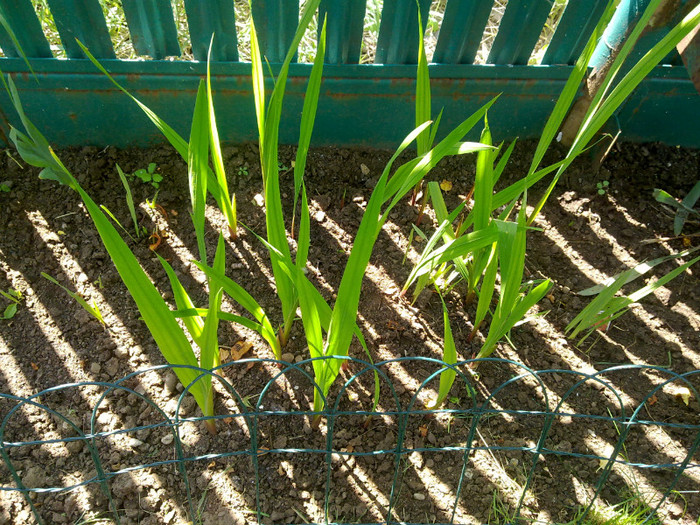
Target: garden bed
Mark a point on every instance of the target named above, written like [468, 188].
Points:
[583, 237]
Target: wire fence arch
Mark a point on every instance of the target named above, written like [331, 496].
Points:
[403, 407]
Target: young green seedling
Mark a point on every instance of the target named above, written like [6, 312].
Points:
[607, 306]
[92, 309]
[683, 208]
[148, 175]
[15, 297]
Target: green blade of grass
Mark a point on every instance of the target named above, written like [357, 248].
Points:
[164, 328]
[566, 98]
[501, 326]
[115, 220]
[228, 204]
[688, 203]
[488, 286]
[449, 356]
[423, 103]
[129, 200]
[242, 297]
[197, 165]
[194, 325]
[92, 309]
[308, 113]
[636, 272]
[187, 313]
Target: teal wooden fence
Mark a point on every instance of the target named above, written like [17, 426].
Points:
[361, 104]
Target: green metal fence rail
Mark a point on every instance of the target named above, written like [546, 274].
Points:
[75, 105]
[475, 410]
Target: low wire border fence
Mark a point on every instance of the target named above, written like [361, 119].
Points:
[554, 407]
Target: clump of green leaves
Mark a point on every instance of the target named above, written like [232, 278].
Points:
[608, 305]
[683, 209]
[15, 297]
[148, 175]
[602, 187]
[4, 187]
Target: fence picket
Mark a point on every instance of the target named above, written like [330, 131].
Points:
[344, 31]
[85, 21]
[152, 27]
[398, 32]
[574, 28]
[205, 17]
[20, 13]
[460, 33]
[520, 28]
[275, 22]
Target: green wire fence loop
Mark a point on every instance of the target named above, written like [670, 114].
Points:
[541, 415]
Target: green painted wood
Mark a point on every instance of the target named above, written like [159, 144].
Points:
[207, 17]
[84, 20]
[275, 22]
[573, 31]
[152, 27]
[345, 20]
[75, 105]
[397, 42]
[461, 30]
[518, 32]
[21, 14]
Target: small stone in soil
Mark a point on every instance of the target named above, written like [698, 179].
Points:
[419, 496]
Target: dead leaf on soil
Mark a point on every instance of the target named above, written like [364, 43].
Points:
[238, 350]
[653, 400]
[423, 429]
[157, 239]
[446, 185]
[683, 394]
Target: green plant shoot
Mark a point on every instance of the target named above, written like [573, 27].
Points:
[92, 309]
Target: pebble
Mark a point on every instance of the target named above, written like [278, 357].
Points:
[112, 367]
[419, 496]
[288, 357]
[171, 382]
[121, 351]
[277, 515]
[135, 443]
[95, 368]
[167, 439]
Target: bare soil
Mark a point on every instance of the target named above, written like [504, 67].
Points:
[582, 237]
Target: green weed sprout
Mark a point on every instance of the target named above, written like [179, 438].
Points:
[130, 201]
[92, 309]
[683, 208]
[148, 175]
[15, 297]
[607, 306]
